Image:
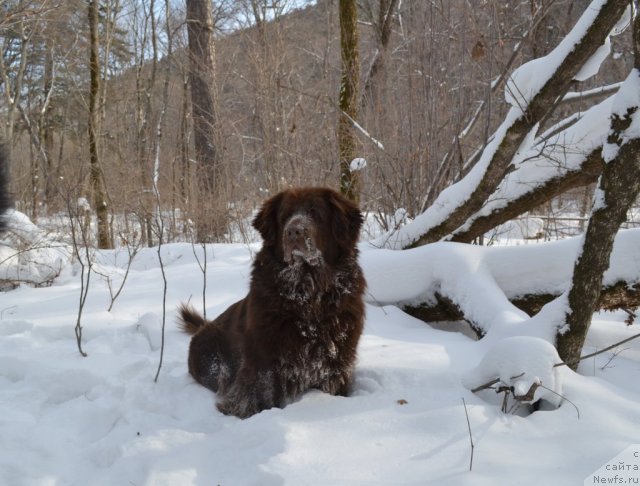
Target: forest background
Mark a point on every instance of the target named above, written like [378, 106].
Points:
[430, 96]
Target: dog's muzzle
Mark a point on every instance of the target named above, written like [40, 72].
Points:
[299, 241]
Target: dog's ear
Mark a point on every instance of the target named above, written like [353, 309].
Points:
[266, 221]
[346, 220]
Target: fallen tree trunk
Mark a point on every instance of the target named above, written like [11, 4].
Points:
[621, 295]
[496, 289]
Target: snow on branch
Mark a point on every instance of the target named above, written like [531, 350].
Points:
[591, 93]
[625, 121]
[527, 81]
[366, 134]
[539, 90]
[553, 163]
[480, 283]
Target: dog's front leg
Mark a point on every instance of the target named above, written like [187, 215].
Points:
[338, 383]
[251, 392]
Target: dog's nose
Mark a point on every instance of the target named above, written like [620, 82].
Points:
[296, 229]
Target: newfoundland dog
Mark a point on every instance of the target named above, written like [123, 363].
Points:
[298, 328]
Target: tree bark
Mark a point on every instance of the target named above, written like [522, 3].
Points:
[617, 189]
[144, 111]
[539, 109]
[96, 174]
[383, 24]
[348, 98]
[202, 80]
[5, 199]
[620, 184]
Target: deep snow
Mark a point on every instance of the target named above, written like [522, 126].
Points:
[101, 420]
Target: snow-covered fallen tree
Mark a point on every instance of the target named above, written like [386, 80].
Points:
[27, 255]
[531, 292]
[489, 286]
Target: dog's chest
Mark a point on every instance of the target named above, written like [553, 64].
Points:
[314, 359]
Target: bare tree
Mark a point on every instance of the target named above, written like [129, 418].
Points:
[383, 21]
[144, 97]
[96, 173]
[202, 79]
[348, 99]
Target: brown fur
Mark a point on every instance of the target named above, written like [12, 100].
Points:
[299, 326]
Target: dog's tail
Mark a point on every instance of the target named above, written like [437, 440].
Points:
[5, 200]
[190, 321]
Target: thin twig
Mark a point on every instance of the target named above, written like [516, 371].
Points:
[485, 386]
[613, 356]
[164, 297]
[470, 436]
[156, 175]
[570, 363]
[561, 396]
[84, 288]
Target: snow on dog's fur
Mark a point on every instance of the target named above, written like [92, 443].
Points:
[299, 326]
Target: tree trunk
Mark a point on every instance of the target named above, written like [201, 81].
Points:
[96, 174]
[202, 80]
[617, 189]
[348, 102]
[5, 200]
[144, 96]
[374, 79]
[46, 128]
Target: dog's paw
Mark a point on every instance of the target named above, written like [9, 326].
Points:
[242, 408]
[249, 394]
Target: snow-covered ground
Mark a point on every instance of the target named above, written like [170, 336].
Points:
[102, 420]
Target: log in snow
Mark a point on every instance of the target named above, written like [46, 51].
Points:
[485, 283]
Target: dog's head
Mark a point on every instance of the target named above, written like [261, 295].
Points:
[309, 225]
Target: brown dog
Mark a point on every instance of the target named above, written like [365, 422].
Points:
[299, 326]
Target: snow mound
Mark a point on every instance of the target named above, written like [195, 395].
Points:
[28, 255]
[521, 362]
[150, 326]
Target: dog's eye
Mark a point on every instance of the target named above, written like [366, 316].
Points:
[315, 213]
